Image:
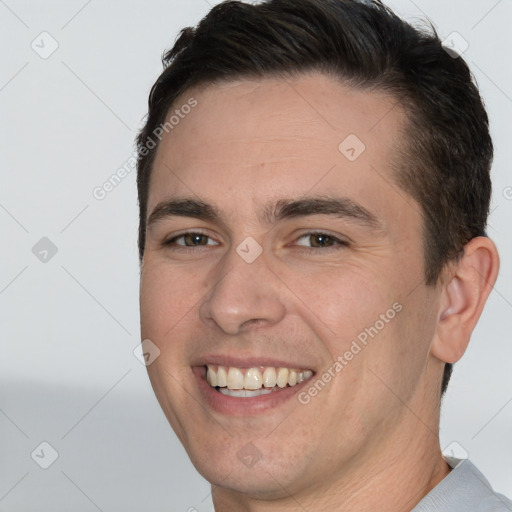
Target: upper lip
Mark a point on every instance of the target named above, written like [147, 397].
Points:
[250, 361]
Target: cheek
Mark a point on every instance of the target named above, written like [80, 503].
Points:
[341, 300]
[166, 297]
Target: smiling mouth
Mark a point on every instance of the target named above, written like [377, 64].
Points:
[256, 381]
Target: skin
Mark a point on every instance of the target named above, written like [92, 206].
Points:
[369, 439]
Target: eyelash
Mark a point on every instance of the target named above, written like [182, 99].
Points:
[338, 242]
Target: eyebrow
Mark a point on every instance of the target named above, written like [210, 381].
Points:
[281, 209]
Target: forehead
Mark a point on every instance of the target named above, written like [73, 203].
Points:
[314, 108]
[247, 141]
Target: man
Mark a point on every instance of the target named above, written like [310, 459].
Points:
[314, 184]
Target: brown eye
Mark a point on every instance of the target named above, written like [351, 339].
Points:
[191, 239]
[320, 240]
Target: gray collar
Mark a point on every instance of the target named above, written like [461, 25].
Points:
[463, 489]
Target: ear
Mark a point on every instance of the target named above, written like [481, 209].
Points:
[465, 288]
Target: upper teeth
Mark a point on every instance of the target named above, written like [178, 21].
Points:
[254, 378]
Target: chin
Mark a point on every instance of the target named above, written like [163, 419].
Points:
[260, 469]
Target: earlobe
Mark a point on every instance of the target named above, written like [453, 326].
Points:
[468, 284]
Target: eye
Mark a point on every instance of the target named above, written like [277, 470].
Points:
[320, 240]
[191, 239]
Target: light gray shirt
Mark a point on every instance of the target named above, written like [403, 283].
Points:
[464, 489]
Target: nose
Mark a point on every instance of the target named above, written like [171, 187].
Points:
[245, 295]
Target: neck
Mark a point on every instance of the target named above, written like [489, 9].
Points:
[392, 477]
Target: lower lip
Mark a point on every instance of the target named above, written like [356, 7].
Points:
[240, 406]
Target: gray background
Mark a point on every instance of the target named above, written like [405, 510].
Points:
[70, 324]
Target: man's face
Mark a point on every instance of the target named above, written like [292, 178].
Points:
[314, 256]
